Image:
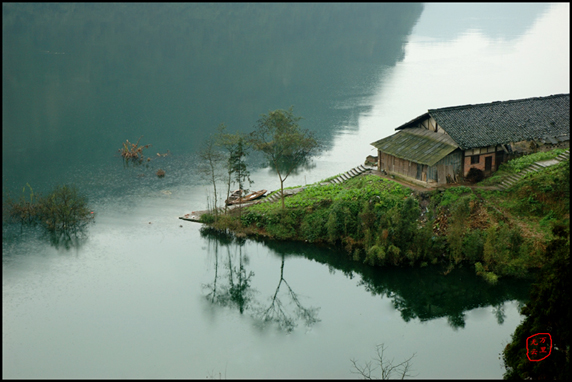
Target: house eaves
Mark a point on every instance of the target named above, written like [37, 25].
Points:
[414, 122]
[417, 145]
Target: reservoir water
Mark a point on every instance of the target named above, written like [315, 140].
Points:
[143, 294]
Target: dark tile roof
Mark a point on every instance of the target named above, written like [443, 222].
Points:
[503, 122]
[417, 145]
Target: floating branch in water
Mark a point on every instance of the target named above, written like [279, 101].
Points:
[164, 155]
[132, 151]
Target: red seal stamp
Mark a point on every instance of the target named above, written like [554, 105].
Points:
[538, 346]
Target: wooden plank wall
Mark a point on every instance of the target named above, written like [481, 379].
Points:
[451, 165]
[398, 165]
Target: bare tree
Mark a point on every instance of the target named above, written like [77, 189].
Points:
[387, 367]
[237, 166]
[236, 148]
[210, 167]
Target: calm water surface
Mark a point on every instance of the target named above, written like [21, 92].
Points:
[145, 295]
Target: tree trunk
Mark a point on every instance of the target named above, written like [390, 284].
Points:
[282, 191]
[214, 187]
[227, 192]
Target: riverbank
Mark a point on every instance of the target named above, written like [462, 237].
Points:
[384, 222]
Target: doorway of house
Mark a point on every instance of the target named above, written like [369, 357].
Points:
[499, 159]
[488, 164]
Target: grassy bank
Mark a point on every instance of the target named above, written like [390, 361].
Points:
[380, 222]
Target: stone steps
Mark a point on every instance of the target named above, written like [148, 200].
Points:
[338, 180]
[349, 174]
[512, 179]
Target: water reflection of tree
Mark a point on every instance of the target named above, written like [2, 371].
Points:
[426, 294]
[237, 292]
[280, 313]
[498, 311]
[70, 237]
[420, 293]
[67, 238]
[234, 289]
[423, 294]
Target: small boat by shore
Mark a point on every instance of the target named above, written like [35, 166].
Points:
[236, 199]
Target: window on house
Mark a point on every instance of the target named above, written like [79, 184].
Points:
[475, 159]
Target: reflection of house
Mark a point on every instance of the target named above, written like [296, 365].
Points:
[442, 145]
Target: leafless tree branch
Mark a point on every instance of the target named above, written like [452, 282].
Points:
[387, 366]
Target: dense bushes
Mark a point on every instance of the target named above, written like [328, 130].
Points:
[313, 226]
[375, 220]
[473, 245]
[543, 192]
[501, 251]
[457, 228]
[547, 312]
[379, 222]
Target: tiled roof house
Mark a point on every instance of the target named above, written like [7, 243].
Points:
[444, 144]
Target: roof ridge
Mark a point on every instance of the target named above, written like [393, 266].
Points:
[437, 137]
[496, 102]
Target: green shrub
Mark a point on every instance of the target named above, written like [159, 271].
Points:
[543, 191]
[516, 267]
[366, 217]
[368, 238]
[489, 277]
[392, 254]
[459, 215]
[407, 224]
[207, 218]
[332, 228]
[375, 255]
[313, 226]
[357, 254]
[422, 242]
[473, 245]
[501, 250]
[250, 218]
[281, 225]
[452, 194]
